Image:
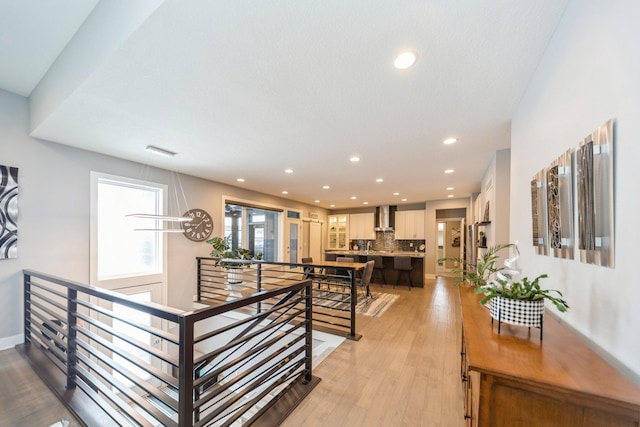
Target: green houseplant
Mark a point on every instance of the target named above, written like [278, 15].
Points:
[483, 271]
[524, 289]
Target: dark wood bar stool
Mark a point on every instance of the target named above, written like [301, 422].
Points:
[402, 264]
[378, 266]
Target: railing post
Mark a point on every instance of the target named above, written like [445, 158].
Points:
[199, 278]
[259, 285]
[354, 300]
[27, 307]
[309, 332]
[72, 320]
[185, 373]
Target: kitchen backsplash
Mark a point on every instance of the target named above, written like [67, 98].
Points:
[385, 241]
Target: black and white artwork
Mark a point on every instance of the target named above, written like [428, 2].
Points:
[8, 212]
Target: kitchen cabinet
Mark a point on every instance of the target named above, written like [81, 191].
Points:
[512, 379]
[410, 225]
[361, 226]
[338, 231]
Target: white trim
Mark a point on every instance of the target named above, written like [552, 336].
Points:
[10, 342]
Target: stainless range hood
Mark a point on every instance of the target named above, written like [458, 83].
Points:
[385, 218]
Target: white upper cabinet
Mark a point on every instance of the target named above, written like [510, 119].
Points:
[410, 225]
[361, 226]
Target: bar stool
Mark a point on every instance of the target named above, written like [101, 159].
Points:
[402, 264]
[377, 266]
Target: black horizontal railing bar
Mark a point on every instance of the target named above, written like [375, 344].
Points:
[247, 337]
[107, 408]
[256, 382]
[145, 386]
[203, 313]
[147, 348]
[252, 318]
[57, 304]
[159, 333]
[239, 379]
[118, 404]
[52, 314]
[166, 379]
[124, 390]
[164, 312]
[247, 356]
[122, 353]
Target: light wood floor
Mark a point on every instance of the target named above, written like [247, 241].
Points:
[24, 399]
[405, 371]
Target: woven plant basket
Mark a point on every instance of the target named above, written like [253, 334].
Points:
[517, 312]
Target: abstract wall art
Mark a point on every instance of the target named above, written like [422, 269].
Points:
[539, 213]
[594, 183]
[560, 206]
[8, 212]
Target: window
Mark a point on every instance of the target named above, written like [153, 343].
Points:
[253, 228]
[121, 250]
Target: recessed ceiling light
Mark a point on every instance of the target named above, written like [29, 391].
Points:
[404, 200]
[325, 187]
[379, 180]
[365, 203]
[450, 188]
[449, 141]
[240, 179]
[285, 192]
[317, 201]
[332, 206]
[354, 159]
[396, 194]
[450, 196]
[353, 197]
[288, 171]
[448, 171]
[405, 60]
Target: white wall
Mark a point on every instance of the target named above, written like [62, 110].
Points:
[589, 74]
[53, 219]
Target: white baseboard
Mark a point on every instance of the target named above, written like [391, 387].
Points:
[10, 342]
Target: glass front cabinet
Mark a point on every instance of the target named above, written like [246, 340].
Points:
[339, 231]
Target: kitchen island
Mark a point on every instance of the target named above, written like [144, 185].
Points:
[390, 274]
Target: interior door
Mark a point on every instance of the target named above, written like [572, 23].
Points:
[293, 239]
[315, 241]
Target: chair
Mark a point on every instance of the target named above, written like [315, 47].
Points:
[365, 280]
[378, 266]
[343, 276]
[402, 264]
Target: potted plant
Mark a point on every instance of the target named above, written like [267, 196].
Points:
[483, 271]
[221, 250]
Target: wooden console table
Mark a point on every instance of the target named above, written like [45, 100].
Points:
[514, 379]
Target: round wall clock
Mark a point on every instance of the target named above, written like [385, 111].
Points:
[200, 227]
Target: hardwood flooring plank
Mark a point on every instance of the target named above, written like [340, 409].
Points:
[403, 372]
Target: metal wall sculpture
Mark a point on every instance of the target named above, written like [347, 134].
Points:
[586, 172]
[594, 164]
[539, 213]
[560, 206]
[8, 212]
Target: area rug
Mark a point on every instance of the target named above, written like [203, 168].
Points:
[375, 306]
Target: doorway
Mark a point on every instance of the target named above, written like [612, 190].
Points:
[450, 240]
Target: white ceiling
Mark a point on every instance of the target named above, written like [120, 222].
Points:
[249, 88]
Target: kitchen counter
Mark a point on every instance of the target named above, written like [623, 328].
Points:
[390, 274]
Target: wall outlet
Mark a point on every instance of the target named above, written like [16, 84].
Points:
[411, 244]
